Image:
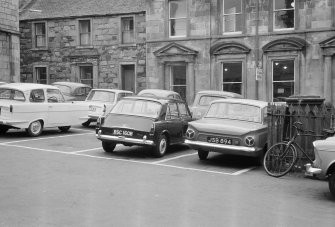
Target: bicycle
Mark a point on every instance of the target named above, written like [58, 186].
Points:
[281, 157]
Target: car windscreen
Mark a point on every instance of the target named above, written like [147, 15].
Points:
[206, 99]
[138, 107]
[234, 111]
[65, 89]
[11, 94]
[102, 96]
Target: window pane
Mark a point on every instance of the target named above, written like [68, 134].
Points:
[232, 6]
[40, 29]
[232, 23]
[127, 24]
[284, 19]
[232, 72]
[41, 75]
[85, 39]
[284, 4]
[283, 70]
[282, 89]
[84, 26]
[236, 88]
[178, 27]
[177, 9]
[40, 41]
[179, 74]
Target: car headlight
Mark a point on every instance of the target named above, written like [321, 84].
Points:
[250, 141]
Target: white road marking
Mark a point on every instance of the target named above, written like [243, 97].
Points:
[86, 130]
[242, 171]
[177, 157]
[93, 149]
[193, 169]
[34, 148]
[45, 138]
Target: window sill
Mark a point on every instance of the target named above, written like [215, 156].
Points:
[128, 44]
[84, 47]
[39, 49]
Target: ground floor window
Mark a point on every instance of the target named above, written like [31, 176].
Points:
[86, 75]
[232, 77]
[128, 77]
[41, 75]
[283, 79]
[178, 79]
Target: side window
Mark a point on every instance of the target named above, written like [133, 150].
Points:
[183, 110]
[37, 95]
[54, 95]
[172, 112]
[18, 96]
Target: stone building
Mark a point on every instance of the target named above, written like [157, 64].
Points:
[262, 49]
[100, 43]
[9, 41]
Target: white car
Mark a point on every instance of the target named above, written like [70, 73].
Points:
[36, 106]
[101, 101]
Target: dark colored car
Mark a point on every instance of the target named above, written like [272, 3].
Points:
[73, 91]
[146, 121]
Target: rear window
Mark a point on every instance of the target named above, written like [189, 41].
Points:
[11, 94]
[137, 107]
[65, 89]
[102, 96]
[206, 99]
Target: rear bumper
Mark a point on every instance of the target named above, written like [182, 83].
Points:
[122, 139]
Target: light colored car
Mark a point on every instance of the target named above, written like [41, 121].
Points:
[73, 91]
[101, 101]
[231, 126]
[2, 83]
[36, 106]
[324, 163]
[203, 98]
[160, 93]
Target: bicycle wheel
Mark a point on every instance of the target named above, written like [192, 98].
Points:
[279, 159]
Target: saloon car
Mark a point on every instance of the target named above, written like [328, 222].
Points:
[230, 126]
[73, 91]
[145, 121]
[101, 101]
[36, 106]
[203, 98]
[324, 163]
[160, 93]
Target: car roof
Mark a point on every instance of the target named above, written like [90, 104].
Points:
[161, 100]
[158, 92]
[221, 93]
[71, 84]
[243, 101]
[112, 90]
[27, 86]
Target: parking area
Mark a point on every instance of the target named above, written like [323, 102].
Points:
[81, 141]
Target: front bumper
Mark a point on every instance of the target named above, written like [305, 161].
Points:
[123, 139]
[222, 148]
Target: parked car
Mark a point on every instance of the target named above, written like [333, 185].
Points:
[145, 121]
[101, 101]
[73, 91]
[160, 93]
[203, 98]
[36, 106]
[324, 164]
[230, 126]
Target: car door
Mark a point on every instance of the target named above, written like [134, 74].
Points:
[58, 111]
[185, 117]
[37, 109]
[173, 122]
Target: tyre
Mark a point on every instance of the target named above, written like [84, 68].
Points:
[161, 146]
[108, 146]
[86, 123]
[203, 154]
[331, 183]
[64, 128]
[3, 130]
[279, 159]
[35, 128]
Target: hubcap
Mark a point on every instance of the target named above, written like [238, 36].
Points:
[36, 126]
[162, 146]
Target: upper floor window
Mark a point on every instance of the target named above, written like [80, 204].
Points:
[85, 32]
[127, 29]
[283, 14]
[232, 16]
[40, 35]
[177, 18]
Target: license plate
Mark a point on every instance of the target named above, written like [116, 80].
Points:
[119, 132]
[219, 140]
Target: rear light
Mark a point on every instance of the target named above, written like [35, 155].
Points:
[11, 108]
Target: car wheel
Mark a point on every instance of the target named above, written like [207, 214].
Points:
[203, 154]
[35, 128]
[64, 128]
[86, 123]
[3, 130]
[161, 146]
[331, 183]
[108, 146]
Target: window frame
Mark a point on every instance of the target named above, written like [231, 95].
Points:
[80, 75]
[90, 32]
[185, 18]
[282, 81]
[242, 18]
[36, 78]
[285, 9]
[171, 86]
[122, 19]
[242, 77]
[34, 37]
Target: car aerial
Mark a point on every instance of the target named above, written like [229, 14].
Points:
[147, 121]
[324, 164]
[160, 93]
[36, 106]
[73, 91]
[230, 126]
[101, 101]
[203, 98]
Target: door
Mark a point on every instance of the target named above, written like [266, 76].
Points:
[178, 79]
[128, 77]
[174, 123]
